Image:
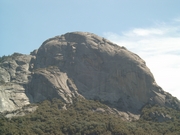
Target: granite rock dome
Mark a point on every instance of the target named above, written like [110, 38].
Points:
[95, 68]
[82, 64]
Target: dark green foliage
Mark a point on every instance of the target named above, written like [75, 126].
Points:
[149, 109]
[80, 118]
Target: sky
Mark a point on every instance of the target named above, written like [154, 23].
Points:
[149, 28]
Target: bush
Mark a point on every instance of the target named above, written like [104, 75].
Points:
[79, 118]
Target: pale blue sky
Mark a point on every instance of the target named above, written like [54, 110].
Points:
[150, 28]
[25, 24]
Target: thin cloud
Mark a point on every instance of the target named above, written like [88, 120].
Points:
[144, 32]
[159, 46]
[177, 20]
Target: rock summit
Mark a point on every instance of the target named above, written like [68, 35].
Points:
[80, 64]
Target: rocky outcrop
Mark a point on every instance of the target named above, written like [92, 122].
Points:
[80, 64]
[50, 82]
[160, 117]
[28, 109]
[102, 70]
[14, 73]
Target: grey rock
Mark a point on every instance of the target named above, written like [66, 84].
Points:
[50, 82]
[160, 117]
[81, 64]
[33, 53]
[102, 70]
[4, 75]
[100, 110]
[14, 75]
[20, 112]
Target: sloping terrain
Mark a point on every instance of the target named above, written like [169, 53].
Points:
[91, 118]
[81, 65]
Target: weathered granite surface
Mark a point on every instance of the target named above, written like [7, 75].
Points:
[14, 74]
[81, 64]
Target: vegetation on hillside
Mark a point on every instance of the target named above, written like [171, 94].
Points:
[80, 118]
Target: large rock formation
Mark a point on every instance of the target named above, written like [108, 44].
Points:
[14, 73]
[83, 64]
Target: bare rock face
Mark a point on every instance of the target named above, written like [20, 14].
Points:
[50, 82]
[80, 64]
[14, 73]
[99, 69]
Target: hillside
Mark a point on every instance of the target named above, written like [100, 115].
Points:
[91, 118]
[80, 83]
